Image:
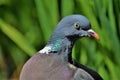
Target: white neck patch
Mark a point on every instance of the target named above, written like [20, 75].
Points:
[45, 50]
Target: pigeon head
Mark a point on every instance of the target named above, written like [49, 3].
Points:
[74, 27]
[68, 30]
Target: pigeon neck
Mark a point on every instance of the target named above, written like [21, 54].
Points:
[62, 47]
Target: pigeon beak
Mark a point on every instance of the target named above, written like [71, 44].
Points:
[92, 33]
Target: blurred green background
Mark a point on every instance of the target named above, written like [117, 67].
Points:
[26, 25]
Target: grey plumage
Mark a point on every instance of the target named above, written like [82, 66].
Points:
[40, 67]
[54, 61]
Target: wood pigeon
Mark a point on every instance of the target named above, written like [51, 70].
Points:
[54, 61]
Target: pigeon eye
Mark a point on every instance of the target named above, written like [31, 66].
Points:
[77, 26]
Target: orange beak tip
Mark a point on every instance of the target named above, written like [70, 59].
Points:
[93, 34]
[96, 36]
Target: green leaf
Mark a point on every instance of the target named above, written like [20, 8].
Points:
[17, 37]
[108, 29]
[44, 19]
[67, 7]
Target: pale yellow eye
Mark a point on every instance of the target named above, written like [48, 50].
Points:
[77, 26]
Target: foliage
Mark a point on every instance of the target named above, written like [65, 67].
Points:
[26, 25]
